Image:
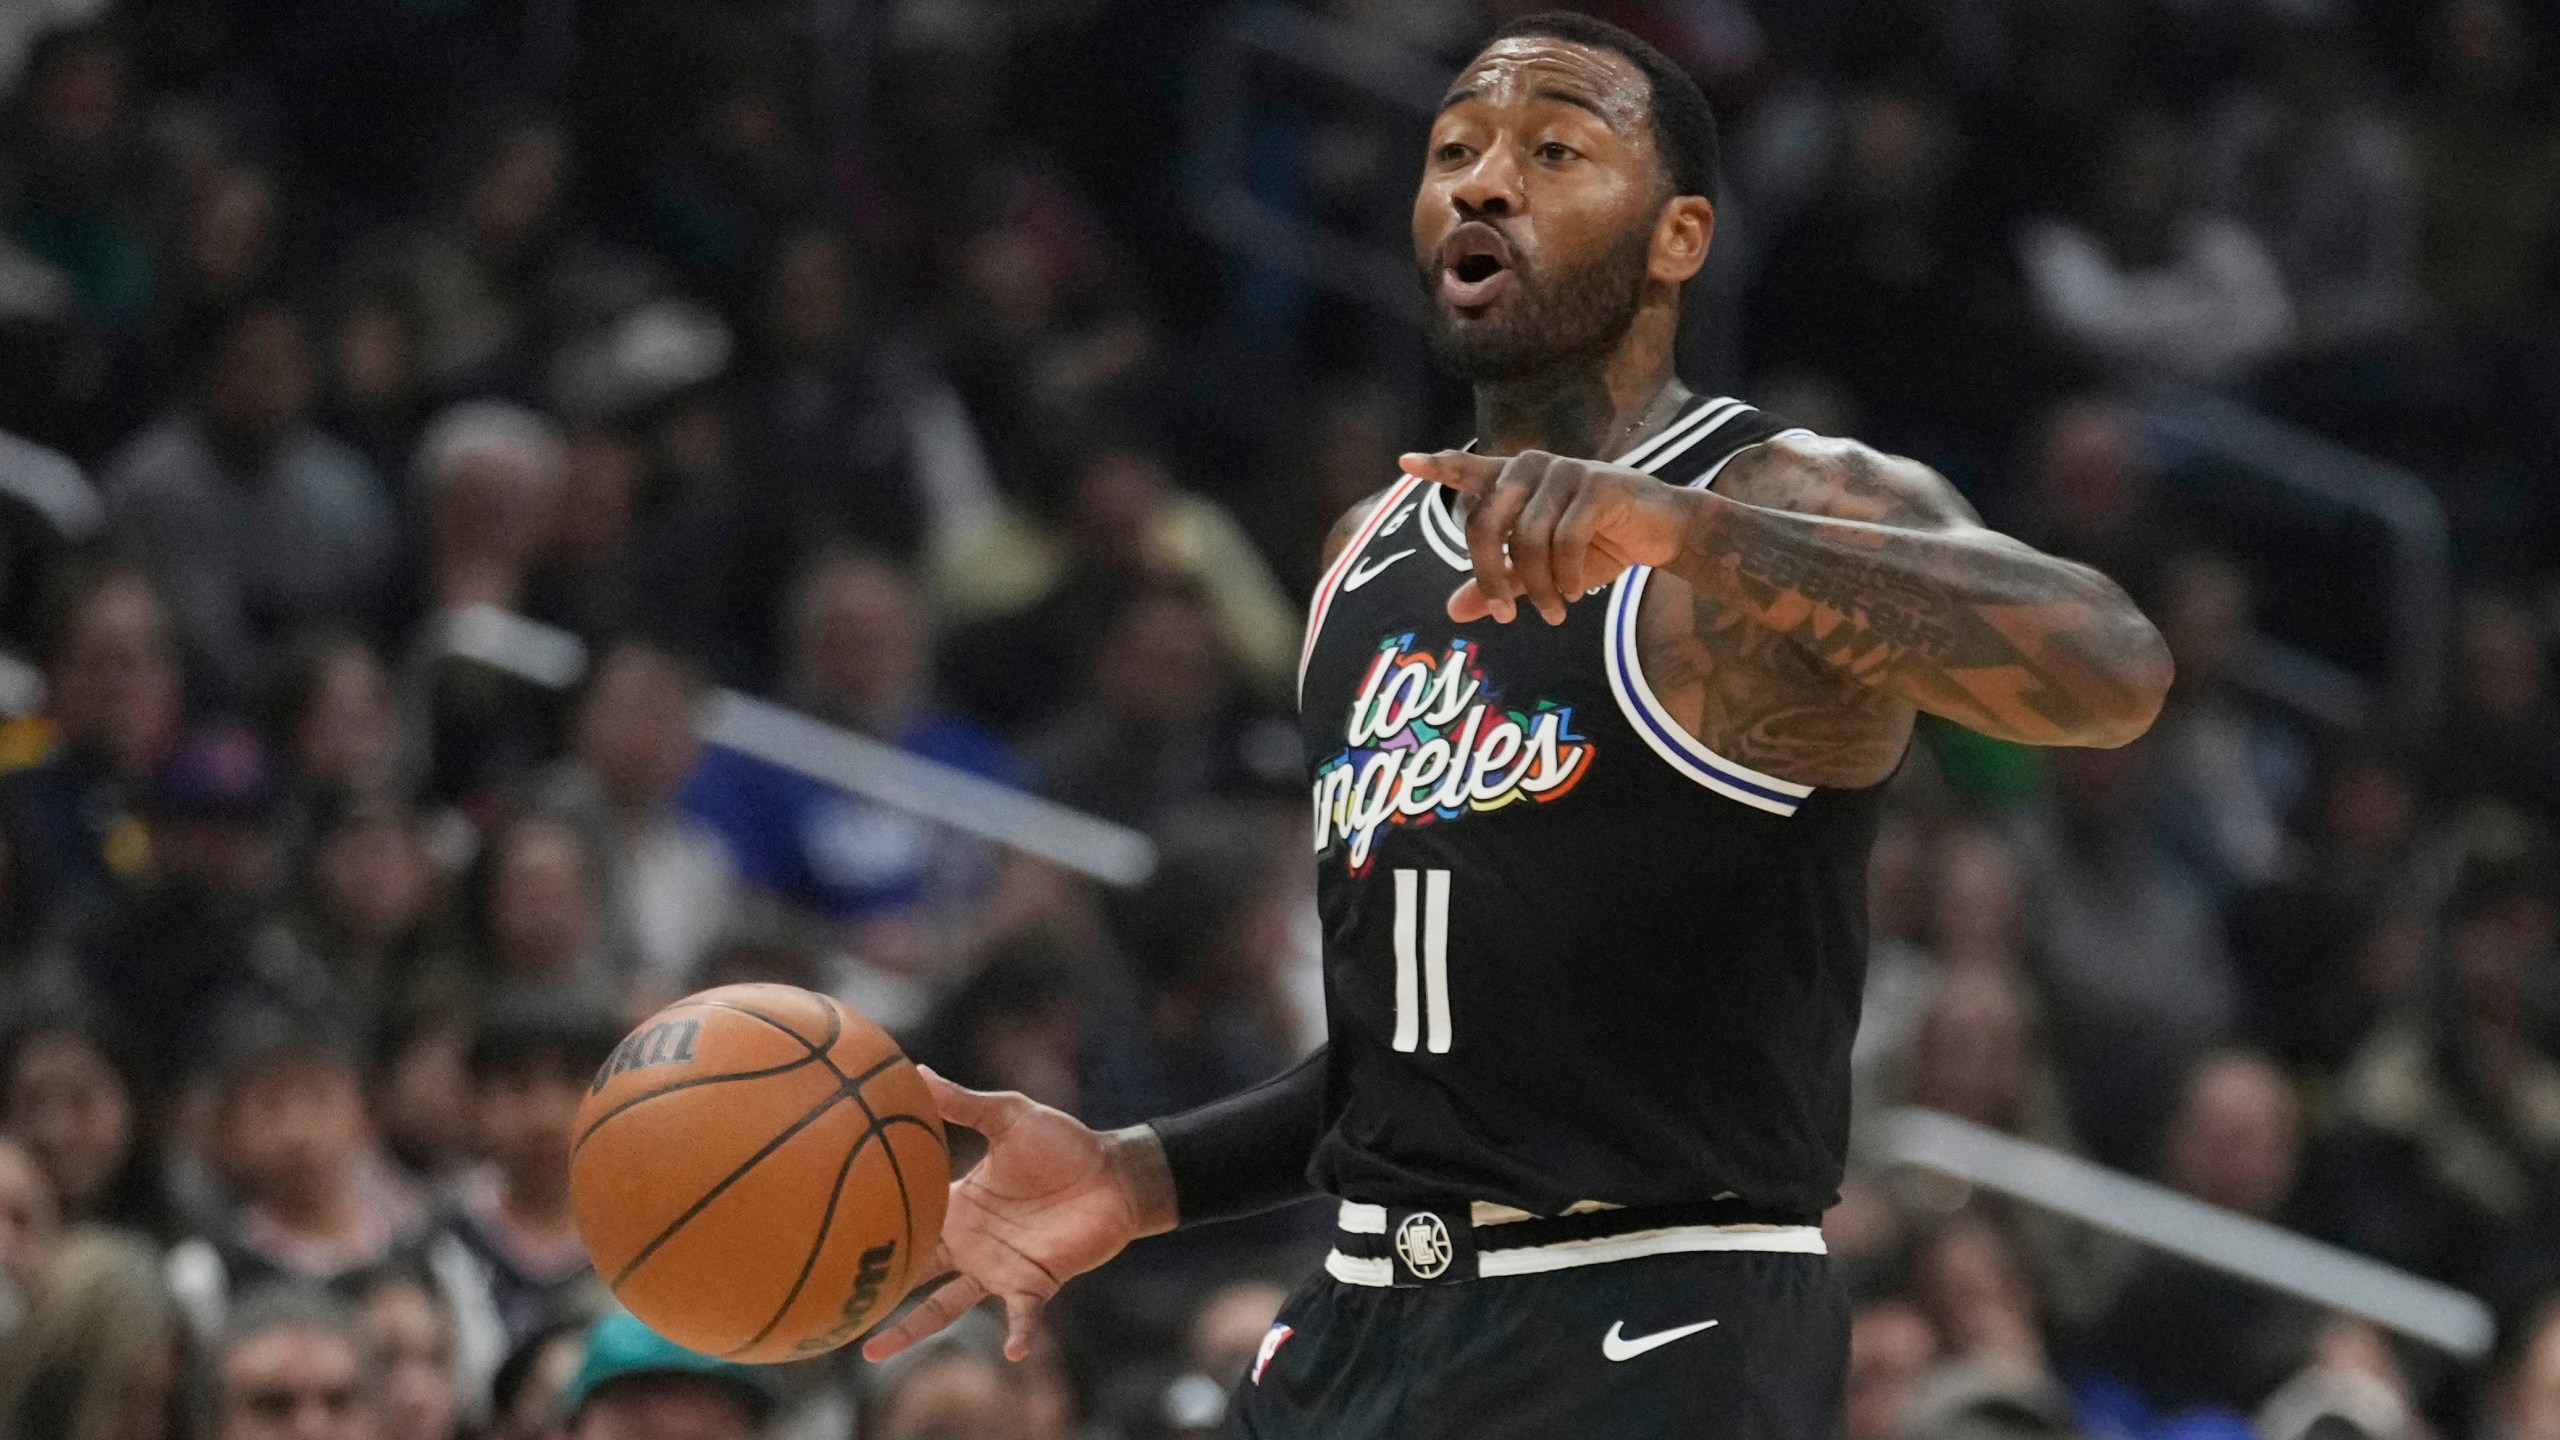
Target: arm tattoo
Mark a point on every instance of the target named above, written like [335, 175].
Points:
[1894, 586]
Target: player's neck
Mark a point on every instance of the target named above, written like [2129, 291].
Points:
[1589, 408]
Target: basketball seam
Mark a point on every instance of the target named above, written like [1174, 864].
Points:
[847, 1086]
[674, 1086]
[826, 1223]
[823, 1054]
[716, 1191]
[897, 1172]
[835, 1028]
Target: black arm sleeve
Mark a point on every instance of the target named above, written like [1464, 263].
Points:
[1248, 1152]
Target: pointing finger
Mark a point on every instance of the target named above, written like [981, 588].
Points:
[1532, 558]
[1467, 603]
[1489, 523]
[1460, 470]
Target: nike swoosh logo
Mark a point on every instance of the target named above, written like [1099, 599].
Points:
[1364, 571]
[1618, 1348]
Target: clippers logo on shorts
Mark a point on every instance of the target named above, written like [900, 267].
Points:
[1428, 739]
[1423, 1244]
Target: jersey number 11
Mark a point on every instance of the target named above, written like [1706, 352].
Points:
[1422, 960]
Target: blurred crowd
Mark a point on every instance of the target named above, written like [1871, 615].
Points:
[868, 358]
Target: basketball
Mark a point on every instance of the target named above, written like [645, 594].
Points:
[756, 1171]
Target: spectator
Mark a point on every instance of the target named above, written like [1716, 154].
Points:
[410, 1328]
[313, 1200]
[2502, 728]
[334, 719]
[1207, 940]
[2152, 287]
[2312, 162]
[114, 693]
[1978, 1056]
[948, 1391]
[253, 520]
[489, 477]
[503, 270]
[374, 386]
[531, 1059]
[199, 929]
[225, 253]
[2448, 1128]
[526, 1395]
[667, 885]
[2354, 897]
[2131, 946]
[1889, 289]
[73, 138]
[861, 656]
[370, 911]
[2488, 169]
[541, 914]
[1151, 730]
[421, 1088]
[835, 409]
[634, 1386]
[68, 1098]
[2090, 492]
[1031, 603]
[29, 1225]
[1979, 1296]
[2524, 1393]
[100, 1353]
[295, 1364]
[2182, 1335]
[2225, 774]
[1892, 1347]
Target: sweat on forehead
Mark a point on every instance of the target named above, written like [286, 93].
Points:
[1520, 69]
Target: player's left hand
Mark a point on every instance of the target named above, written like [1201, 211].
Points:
[1552, 529]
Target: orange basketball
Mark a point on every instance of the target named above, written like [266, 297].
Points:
[758, 1173]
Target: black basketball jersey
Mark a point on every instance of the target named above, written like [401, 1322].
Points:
[1571, 954]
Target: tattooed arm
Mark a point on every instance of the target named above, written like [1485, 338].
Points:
[1891, 581]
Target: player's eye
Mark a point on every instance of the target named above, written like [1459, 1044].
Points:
[1450, 152]
[1556, 152]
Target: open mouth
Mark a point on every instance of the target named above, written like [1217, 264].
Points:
[1475, 266]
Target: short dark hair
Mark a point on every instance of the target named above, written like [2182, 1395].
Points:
[1684, 128]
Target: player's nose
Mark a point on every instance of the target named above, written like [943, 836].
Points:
[1489, 189]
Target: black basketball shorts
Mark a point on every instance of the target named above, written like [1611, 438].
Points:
[1607, 1338]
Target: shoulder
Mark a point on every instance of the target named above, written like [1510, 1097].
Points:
[1339, 538]
[1843, 480]
[167, 454]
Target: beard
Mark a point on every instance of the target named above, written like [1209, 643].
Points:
[1553, 318]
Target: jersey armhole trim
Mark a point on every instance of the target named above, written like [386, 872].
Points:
[1663, 734]
[1326, 587]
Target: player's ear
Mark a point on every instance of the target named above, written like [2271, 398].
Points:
[1681, 235]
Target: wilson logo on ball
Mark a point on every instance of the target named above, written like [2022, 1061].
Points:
[669, 1042]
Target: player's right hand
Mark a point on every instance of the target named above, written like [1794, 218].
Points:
[1052, 1199]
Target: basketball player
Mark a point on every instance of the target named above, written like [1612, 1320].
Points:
[1597, 713]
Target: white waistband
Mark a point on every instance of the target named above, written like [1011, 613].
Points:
[1358, 1219]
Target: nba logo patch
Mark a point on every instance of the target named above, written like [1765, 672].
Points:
[1272, 1340]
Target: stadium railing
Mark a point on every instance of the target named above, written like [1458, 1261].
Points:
[2161, 1218]
[554, 658]
[2361, 549]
